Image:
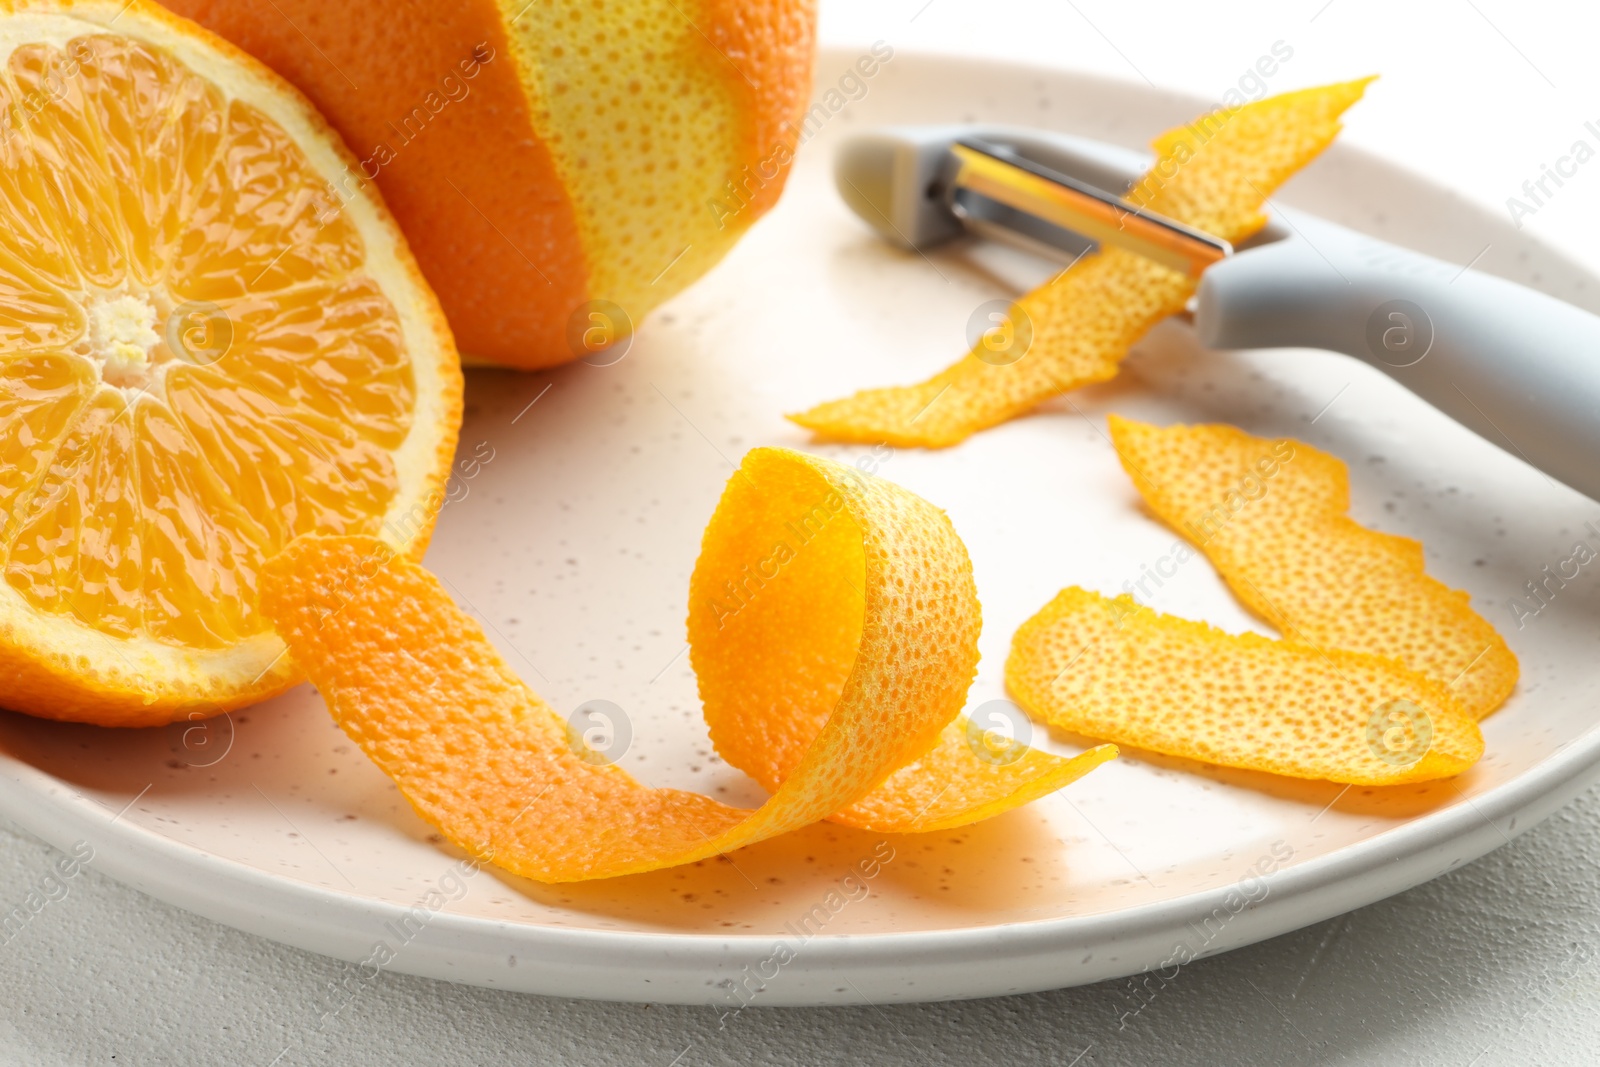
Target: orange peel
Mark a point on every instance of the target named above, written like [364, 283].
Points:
[835, 677]
[1214, 174]
[1272, 517]
[1111, 668]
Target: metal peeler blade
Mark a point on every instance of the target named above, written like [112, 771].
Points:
[999, 175]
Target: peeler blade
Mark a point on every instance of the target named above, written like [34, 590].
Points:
[1009, 179]
[919, 186]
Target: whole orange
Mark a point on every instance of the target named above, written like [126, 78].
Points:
[559, 167]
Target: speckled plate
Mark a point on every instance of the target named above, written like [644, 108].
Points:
[574, 543]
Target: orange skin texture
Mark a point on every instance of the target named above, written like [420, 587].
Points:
[503, 249]
[776, 39]
[1367, 631]
[866, 732]
[1297, 560]
[778, 636]
[1112, 668]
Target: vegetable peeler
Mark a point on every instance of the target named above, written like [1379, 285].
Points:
[1518, 367]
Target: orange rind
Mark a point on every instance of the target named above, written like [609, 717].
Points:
[1272, 517]
[833, 625]
[1214, 174]
[1110, 668]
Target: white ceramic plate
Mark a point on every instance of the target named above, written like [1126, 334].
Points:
[575, 541]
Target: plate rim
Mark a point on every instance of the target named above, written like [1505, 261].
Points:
[187, 876]
[664, 966]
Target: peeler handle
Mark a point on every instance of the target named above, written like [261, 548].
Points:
[1520, 368]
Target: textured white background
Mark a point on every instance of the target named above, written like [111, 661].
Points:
[1493, 964]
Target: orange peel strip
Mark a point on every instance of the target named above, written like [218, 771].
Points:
[414, 681]
[1271, 516]
[1214, 174]
[1113, 669]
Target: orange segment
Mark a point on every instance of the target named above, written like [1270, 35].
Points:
[413, 680]
[1113, 669]
[29, 236]
[68, 172]
[158, 187]
[1214, 174]
[298, 234]
[211, 352]
[41, 397]
[33, 314]
[75, 544]
[1271, 515]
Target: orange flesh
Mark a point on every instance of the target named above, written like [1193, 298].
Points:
[143, 483]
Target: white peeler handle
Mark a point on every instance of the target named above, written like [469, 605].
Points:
[1520, 368]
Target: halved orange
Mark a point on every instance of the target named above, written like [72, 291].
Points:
[211, 341]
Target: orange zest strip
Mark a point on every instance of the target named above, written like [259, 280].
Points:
[1214, 174]
[833, 616]
[810, 570]
[1271, 515]
[966, 778]
[1113, 669]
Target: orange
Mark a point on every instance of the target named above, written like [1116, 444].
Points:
[560, 167]
[205, 351]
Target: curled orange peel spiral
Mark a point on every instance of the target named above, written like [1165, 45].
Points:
[1272, 518]
[835, 676]
[1111, 668]
[1214, 174]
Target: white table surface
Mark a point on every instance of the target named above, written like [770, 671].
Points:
[1495, 963]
